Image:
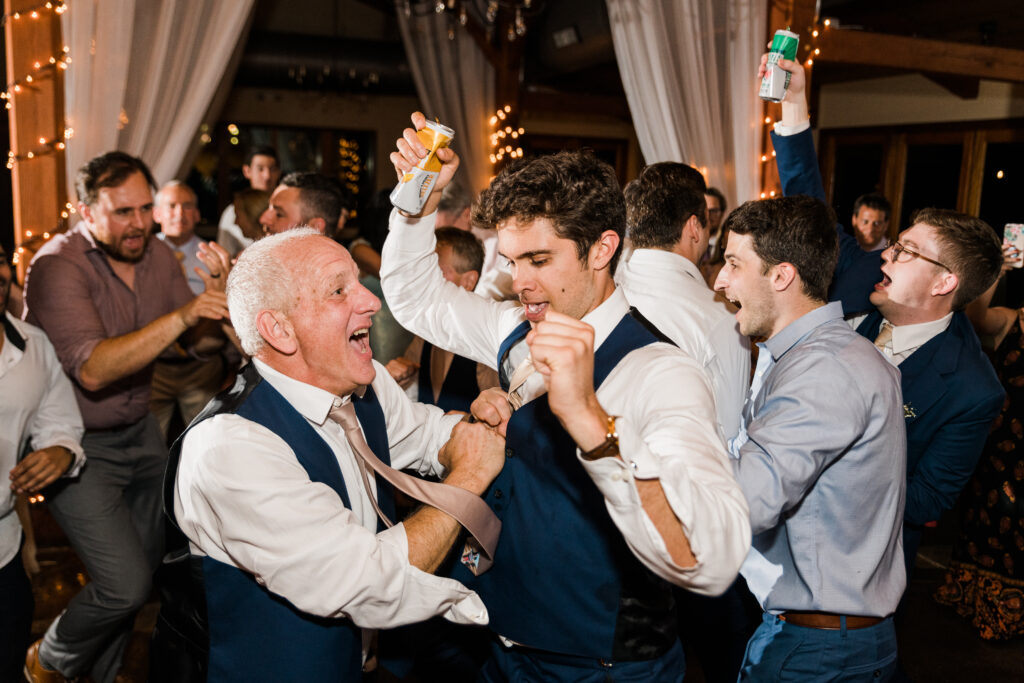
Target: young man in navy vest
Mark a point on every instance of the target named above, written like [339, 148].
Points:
[437, 376]
[580, 587]
[914, 314]
[270, 495]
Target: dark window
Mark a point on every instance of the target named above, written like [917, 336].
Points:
[932, 178]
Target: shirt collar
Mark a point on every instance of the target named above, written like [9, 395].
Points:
[12, 334]
[661, 258]
[909, 337]
[801, 327]
[607, 315]
[183, 248]
[313, 403]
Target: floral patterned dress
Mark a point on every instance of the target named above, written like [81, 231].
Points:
[985, 581]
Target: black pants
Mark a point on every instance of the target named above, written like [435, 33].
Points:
[15, 618]
[716, 630]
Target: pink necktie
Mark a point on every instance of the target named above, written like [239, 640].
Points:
[518, 379]
[468, 509]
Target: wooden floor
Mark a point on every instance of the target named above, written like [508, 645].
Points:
[936, 645]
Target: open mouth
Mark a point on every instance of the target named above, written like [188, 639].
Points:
[360, 341]
[886, 281]
[133, 243]
[535, 312]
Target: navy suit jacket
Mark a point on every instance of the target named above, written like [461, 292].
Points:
[951, 393]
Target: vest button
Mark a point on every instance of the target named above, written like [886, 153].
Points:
[509, 453]
[498, 493]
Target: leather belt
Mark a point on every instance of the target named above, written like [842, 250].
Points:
[827, 621]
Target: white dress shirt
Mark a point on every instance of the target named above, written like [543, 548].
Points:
[907, 338]
[669, 291]
[37, 406]
[666, 419]
[229, 234]
[188, 256]
[242, 498]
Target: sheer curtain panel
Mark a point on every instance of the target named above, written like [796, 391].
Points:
[455, 84]
[689, 71]
[143, 74]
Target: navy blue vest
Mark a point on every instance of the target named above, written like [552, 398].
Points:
[563, 578]
[459, 388]
[255, 635]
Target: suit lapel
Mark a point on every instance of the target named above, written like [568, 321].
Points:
[923, 373]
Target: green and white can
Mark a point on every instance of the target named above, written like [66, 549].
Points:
[775, 81]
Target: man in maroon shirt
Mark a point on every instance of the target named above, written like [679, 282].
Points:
[111, 299]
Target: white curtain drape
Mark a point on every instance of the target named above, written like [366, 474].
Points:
[689, 71]
[455, 84]
[143, 74]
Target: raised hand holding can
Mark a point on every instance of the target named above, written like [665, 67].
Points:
[776, 80]
[413, 189]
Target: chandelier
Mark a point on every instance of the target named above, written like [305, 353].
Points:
[491, 14]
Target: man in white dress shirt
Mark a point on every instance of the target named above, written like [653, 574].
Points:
[454, 211]
[591, 538]
[181, 380]
[262, 170]
[270, 494]
[668, 224]
[37, 407]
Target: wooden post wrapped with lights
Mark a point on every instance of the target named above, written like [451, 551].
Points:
[34, 97]
[506, 137]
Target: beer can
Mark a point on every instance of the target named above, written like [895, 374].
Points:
[775, 81]
[412, 191]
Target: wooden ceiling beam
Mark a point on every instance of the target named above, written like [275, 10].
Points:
[921, 54]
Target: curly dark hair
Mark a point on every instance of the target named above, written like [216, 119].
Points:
[575, 190]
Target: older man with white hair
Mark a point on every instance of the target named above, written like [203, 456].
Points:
[274, 496]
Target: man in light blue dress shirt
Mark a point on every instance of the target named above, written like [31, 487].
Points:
[820, 456]
[182, 381]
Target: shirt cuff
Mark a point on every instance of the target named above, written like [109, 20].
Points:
[785, 131]
[77, 455]
[400, 222]
[614, 477]
[464, 605]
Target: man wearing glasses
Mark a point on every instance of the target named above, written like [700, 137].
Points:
[941, 263]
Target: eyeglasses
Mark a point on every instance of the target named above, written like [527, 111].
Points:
[898, 248]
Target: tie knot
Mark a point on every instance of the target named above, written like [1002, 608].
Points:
[884, 335]
[345, 415]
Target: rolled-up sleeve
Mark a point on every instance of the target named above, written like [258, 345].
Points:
[667, 432]
[59, 299]
[57, 421]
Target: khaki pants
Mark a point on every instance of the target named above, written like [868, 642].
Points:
[188, 385]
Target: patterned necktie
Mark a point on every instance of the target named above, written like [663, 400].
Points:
[468, 509]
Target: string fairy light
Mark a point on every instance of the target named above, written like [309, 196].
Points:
[40, 69]
[505, 138]
[44, 146]
[34, 12]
